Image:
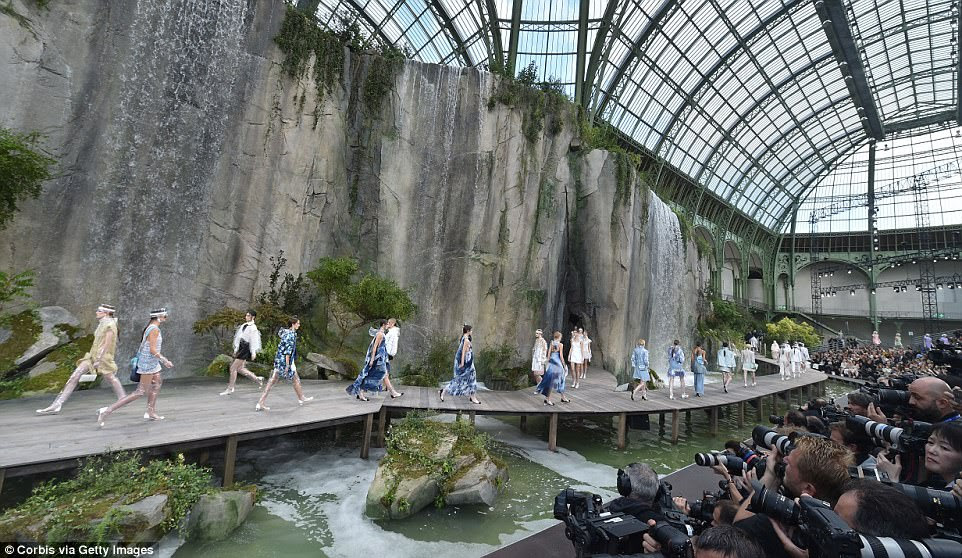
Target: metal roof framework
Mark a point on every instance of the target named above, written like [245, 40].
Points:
[754, 102]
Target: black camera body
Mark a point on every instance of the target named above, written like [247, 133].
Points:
[596, 532]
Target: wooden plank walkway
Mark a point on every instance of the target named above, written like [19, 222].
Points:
[196, 417]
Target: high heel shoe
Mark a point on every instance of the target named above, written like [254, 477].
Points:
[260, 407]
[566, 400]
[260, 383]
[549, 403]
[227, 391]
[632, 396]
[51, 410]
[101, 416]
[305, 400]
[360, 397]
[396, 396]
[441, 395]
[475, 401]
[155, 417]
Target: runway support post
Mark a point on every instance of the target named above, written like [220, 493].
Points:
[741, 414]
[714, 421]
[674, 426]
[381, 427]
[553, 432]
[661, 424]
[230, 455]
[758, 409]
[471, 415]
[622, 430]
[523, 424]
[3, 474]
[366, 435]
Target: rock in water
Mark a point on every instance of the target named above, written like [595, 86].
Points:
[215, 516]
[480, 485]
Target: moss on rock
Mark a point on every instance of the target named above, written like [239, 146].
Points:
[64, 361]
[219, 367]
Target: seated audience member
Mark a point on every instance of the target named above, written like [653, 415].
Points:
[876, 509]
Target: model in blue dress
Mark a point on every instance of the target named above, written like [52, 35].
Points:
[676, 359]
[698, 368]
[556, 372]
[284, 365]
[375, 366]
[639, 364]
[465, 380]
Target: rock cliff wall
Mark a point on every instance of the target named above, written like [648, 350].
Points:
[188, 158]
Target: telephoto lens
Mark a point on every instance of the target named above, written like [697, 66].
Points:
[774, 505]
[674, 543]
[942, 506]
[892, 397]
[885, 547]
[768, 438]
[875, 430]
[734, 465]
[777, 420]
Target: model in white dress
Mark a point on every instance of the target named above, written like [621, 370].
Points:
[586, 350]
[576, 357]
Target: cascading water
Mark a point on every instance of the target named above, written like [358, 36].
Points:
[669, 295]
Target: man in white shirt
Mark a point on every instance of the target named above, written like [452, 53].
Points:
[796, 361]
[806, 358]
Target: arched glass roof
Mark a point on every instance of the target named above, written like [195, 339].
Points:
[757, 102]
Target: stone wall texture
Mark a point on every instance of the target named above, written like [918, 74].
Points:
[187, 160]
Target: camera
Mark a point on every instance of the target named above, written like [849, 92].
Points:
[942, 506]
[735, 465]
[595, 532]
[908, 439]
[777, 420]
[768, 438]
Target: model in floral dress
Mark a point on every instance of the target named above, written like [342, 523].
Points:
[375, 366]
[284, 365]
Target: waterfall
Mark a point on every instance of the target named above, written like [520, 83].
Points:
[669, 294]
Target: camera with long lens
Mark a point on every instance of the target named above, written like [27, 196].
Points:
[909, 438]
[701, 512]
[777, 420]
[767, 438]
[942, 506]
[734, 465]
[596, 532]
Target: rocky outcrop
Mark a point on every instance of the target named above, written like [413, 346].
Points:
[188, 158]
[58, 327]
[215, 516]
[432, 463]
[329, 369]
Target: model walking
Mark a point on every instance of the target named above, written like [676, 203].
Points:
[539, 356]
[876, 340]
[676, 360]
[699, 359]
[726, 363]
[898, 340]
[748, 364]
[576, 356]
[785, 361]
[391, 339]
[806, 357]
[639, 364]
[375, 366]
[100, 359]
[247, 343]
[586, 352]
[796, 361]
[284, 365]
[775, 351]
[465, 380]
[149, 361]
[556, 373]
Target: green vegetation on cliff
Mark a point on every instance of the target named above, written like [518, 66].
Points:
[541, 103]
[23, 170]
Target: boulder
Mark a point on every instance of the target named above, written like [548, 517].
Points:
[137, 522]
[215, 516]
[42, 367]
[308, 371]
[329, 368]
[220, 366]
[479, 485]
[51, 336]
[413, 495]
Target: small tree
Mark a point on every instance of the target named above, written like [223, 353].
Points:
[14, 286]
[789, 330]
[286, 292]
[23, 170]
[219, 326]
[355, 303]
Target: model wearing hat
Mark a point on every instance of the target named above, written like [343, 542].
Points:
[149, 361]
[539, 356]
[100, 359]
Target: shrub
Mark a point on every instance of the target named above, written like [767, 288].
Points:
[789, 330]
[435, 365]
[23, 170]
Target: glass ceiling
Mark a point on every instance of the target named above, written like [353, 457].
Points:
[758, 102]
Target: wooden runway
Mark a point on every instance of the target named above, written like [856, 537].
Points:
[197, 418]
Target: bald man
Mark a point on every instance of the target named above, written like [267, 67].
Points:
[928, 399]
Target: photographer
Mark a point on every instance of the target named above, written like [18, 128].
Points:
[856, 442]
[928, 400]
[858, 403]
[876, 509]
[644, 491]
[725, 541]
[943, 457]
[816, 467]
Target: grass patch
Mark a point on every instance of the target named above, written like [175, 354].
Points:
[64, 510]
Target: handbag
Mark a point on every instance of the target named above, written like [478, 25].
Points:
[134, 376]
